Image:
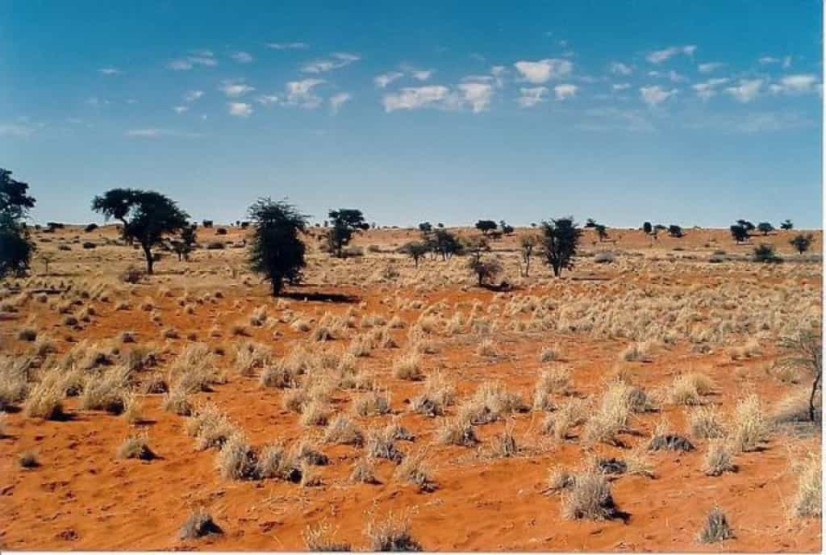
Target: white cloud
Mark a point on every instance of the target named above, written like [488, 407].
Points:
[531, 96]
[242, 57]
[768, 60]
[154, 133]
[543, 70]
[180, 109]
[656, 95]
[16, 130]
[411, 98]
[609, 119]
[110, 71]
[287, 45]
[498, 73]
[338, 100]
[336, 61]
[676, 77]
[477, 95]
[798, 84]
[234, 89]
[618, 68]
[267, 99]
[385, 79]
[787, 62]
[300, 93]
[659, 56]
[192, 96]
[620, 86]
[708, 88]
[423, 74]
[709, 67]
[198, 58]
[565, 90]
[746, 91]
[240, 109]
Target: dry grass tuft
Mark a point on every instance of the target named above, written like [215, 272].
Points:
[391, 534]
[718, 459]
[198, 525]
[751, 427]
[716, 528]
[321, 537]
[589, 498]
[809, 500]
[135, 447]
[706, 423]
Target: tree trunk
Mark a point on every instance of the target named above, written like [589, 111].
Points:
[277, 283]
[812, 397]
[149, 261]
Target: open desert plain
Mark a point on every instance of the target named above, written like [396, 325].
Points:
[660, 382]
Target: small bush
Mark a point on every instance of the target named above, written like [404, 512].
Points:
[391, 534]
[198, 525]
[716, 528]
[135, 447]
[28, 459]
[718, 459]
[589, 498]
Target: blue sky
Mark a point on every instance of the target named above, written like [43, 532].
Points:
[696, 112]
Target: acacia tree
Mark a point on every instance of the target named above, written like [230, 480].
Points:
[486, 226]
[485, 270]
[560, 239]
[526, 245]
[739, 232]
[146, 217]
[415, 250]
[787, 225]
[801, 242]
[602, 232]
[344, 223]
[765, 228]
[15, 245]
[276, 249]
[805, 350]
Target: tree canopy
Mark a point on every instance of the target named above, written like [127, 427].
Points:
[276, 251]
[146, 217]
[16, 247]
[344, 223]
[560, 239]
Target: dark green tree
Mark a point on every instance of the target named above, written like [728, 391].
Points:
[602, 232]
[146, 217]
[747, 224]
[675, 231]
[425, 227]
[787, 225]
[16, 247]
[560, 239]
[647, 228]
[186, 242]
[486, 226]
[739, 232]
[344, 222]
[506, 229]
[765, 228]
[801, 242]
[276, 250]
[527, 243]
[415, 250]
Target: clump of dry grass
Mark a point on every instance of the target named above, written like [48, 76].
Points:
[275, 462]
[343, 431]
[504, 444]
[589, 498]
[371, 403]
[210, 428]
[14, 386]
[107, 392]
[706, 423]
[751, 427]
[438, 394]
[560, 423]
[391, 534]
[135, 447]
[363, 472]
[408, 367]
[636, 352]
[719, 458]
[177, 402]
[414, 470]
[28, 333]
[549, 354]
[198, 525]
[321, 537]
[611, 416]
[560, 479]
[688, 389]
[457, 431]
[28, 460]
[380, 445]
[315, 413]
[489, 403]
[307, 451]
[716, 528]
[46, 401]
[664, 440]
[809, 499]
[236, 460]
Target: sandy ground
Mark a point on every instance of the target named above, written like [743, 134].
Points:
[82, 496]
